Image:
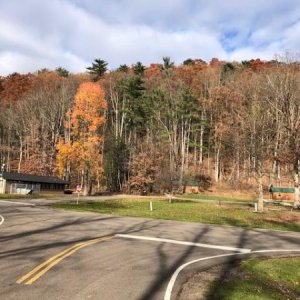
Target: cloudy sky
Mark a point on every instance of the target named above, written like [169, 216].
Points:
[37, 34]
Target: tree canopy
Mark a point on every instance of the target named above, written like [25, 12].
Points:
[229, 122]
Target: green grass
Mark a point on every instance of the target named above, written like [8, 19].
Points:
[218, 198]
[206, 213]
[33, 196]
[17, 196]
[261, 279]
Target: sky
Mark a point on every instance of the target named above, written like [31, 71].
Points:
[36, 34]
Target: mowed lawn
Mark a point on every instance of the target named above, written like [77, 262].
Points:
[245, 199]
[17, 196]
[260, 279]
[206, 213]
[33, 196]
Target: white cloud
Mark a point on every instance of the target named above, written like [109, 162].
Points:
[247, 53]
[71, 33]
[11, 62]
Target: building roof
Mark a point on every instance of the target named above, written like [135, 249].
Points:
[283, 190]
[185, 183]
[31, 178]
[192, 183]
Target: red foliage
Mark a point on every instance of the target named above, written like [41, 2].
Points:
[257, 64]
[14, 86]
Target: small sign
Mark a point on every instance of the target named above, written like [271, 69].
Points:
[78, 188]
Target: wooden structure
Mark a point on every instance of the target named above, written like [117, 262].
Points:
[187, 187]
[191, 187]
[18, 183]
[282, 194]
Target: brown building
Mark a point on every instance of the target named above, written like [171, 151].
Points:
[187, 187]
[18, 183]
[282, 194]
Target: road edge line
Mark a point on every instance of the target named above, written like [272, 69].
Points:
[168, 293]
[2, 220]
[15, 202]
[177, 242]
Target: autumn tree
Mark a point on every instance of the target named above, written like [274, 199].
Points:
[225, 120]
[258, 133]
[14, 86]
[144, 172]
[37, 122]
[81, 148]
[284, 100]
[12, 90]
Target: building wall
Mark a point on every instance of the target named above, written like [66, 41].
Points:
[7, 187]
[191, 189]
[283, 196]
[52, 187]
[19, 187]
[2, 185]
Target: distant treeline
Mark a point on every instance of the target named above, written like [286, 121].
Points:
[217, 121]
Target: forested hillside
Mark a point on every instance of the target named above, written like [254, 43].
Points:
[214, 122]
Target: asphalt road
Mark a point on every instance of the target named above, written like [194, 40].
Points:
[116, 267]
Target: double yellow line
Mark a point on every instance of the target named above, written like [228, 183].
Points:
[41, 269]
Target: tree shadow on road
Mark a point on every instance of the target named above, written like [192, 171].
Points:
[64, 237]
[165, 272]
[228, 265]
[231, 263]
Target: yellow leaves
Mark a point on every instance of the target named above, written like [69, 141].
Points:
[90, 94]
[84, 122]
[63, 156]
[87, 114]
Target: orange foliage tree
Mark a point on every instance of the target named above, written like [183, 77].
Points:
[81, 148]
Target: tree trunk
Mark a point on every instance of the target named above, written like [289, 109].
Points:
[217, 165]
[201, 139]
[87, 186]
[296, 185]
[20, 154]
[260, 193]
[238, 166]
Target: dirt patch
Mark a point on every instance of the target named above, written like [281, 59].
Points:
[198, 284]
[227, 191]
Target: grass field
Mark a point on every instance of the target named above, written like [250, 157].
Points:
[34, 196]
[261, 279]
[16, 196]
[218, 198]
[206, 213]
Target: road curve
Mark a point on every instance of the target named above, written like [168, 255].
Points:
[115, 268]
[1, 220]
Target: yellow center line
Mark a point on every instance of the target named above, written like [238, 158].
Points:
[51, 262]
[23, 278]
